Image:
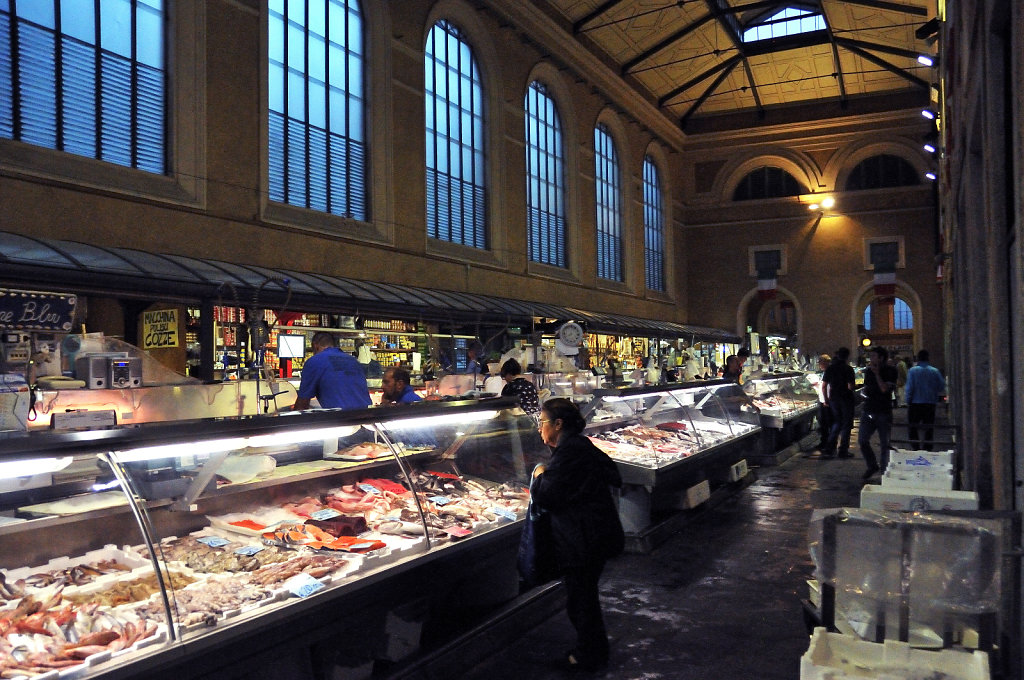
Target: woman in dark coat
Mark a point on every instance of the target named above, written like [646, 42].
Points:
[574, 488]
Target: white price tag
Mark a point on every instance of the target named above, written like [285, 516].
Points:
[213, 541]
[504, 512]
[326, 513]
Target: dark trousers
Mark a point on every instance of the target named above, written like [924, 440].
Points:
[842, 424]
[584, 610]
[869, 424]
[824, 423]
[921, 414]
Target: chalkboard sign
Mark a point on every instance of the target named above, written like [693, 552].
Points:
[28, 310]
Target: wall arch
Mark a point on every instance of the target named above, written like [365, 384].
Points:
[743, 311]
[840, 166]
[865, 295]
[801, 167]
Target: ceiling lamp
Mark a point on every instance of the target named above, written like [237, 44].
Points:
[929, 147]
[930, 175]
[926, 60]
[928, 113]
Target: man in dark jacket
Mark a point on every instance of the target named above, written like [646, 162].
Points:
[574, 489]
[839, 380]
[876, 414]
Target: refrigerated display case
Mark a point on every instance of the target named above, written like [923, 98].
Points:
[217, 544]
[674, 446]
[788, 404]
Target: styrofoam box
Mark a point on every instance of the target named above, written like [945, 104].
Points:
[873, 497]
[738, 471]
[697, 494]
[934, 457]
[834, 656]
[929, 479]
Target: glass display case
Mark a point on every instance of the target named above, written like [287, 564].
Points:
[782, 397]
[658, 427]
[119, 545]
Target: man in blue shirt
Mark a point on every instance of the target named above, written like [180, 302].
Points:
[396, 387]
[924, 385]
[334, 377]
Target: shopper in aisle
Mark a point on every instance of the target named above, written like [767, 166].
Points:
[839, 380]
[334, 377]
[473, 353]
[824, 412]
[574, 488]
[395, 387]
[925, 386]
[518, 386]
[732, 369]
[876, 415]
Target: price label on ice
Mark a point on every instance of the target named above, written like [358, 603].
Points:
[504, 512]
[438, 500]
[326, 513]
[214, 541]
[303, 585]
[369, 488]
[249, 550]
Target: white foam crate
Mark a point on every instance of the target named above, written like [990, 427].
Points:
[929, 479]
[874, 497]
[834, 656]
[926, 457]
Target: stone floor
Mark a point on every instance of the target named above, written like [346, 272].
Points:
[719, 600]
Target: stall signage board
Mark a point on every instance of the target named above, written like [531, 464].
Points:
[159, 328]
[29, 310]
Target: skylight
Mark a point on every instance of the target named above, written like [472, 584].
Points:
[790, 21]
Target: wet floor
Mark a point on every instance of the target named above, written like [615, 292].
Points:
[720, 599]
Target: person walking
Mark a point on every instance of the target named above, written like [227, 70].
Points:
[839, 380]
[574, 488]
[876, 414]
[924, 386]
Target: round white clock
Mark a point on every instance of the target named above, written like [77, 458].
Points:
[571, 333]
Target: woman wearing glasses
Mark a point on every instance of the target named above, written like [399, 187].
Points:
[574, 487]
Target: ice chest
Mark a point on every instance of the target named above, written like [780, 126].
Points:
[874, 497]
[834, 656]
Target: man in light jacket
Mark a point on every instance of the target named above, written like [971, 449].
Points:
[924, 388]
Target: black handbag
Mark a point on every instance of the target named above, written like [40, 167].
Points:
[536, 559]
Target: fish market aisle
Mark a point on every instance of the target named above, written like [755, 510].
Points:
[720, 599]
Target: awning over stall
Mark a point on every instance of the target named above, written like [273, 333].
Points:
[48, 264]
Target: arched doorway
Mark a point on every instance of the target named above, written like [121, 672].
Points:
[888, 322]
[776, 320]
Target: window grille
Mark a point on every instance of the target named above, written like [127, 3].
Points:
[654, 227]
[545, 182]
[607, 178]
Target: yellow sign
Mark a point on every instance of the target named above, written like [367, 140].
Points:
[160, 328]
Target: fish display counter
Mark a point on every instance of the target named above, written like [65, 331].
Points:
[674, 445]
[788, 404]
[320, 543]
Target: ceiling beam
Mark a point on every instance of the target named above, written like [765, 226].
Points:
[728, 63]
[837, 64]
[690, 28]
[737, 42]
[878, 47]
[890, 6]
[606, 6]
[886, 65]
[707, 93]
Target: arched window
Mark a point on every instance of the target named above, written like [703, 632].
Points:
[880, 172]
[316, 133]
[867, 318]
[545, 181]
[767, 182]
[895, 317]
[87, 78]
[654, 227]
[456, 189]
[902, 317]
[608, 178]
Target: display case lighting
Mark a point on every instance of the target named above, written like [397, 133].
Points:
[32, 466]
[180, 450]
[296, 436]
[434, 421]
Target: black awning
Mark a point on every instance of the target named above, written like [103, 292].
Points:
[126, 272]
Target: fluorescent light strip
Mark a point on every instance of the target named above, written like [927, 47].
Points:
[32, 466]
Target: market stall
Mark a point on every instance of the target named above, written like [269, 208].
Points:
[788, 404]
[216, 545]
[675, 447]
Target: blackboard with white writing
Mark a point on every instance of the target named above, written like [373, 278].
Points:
[26, 310]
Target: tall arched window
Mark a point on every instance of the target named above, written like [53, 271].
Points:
[902, 316]
[316, 131]
[880, 172]
[608, 178]
[767, 182]
[456, 205]
[86, 77]
[545, 180]
[654, 227]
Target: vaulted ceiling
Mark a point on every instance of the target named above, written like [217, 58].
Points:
[689, 57]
